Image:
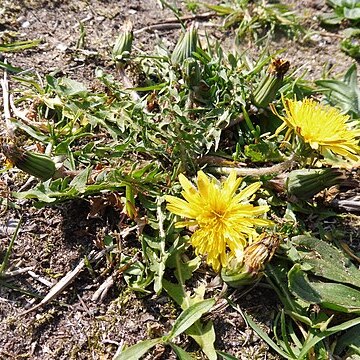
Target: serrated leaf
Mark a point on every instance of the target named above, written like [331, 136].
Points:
[34, 194]
[265, 151]
[204, 335]
[136, 351]
[79, 181]
[72, 87]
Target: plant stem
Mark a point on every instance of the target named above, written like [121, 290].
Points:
[254, 172]
[9, 249]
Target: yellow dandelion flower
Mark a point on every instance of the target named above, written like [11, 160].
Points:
[225, 221]
[323, 127]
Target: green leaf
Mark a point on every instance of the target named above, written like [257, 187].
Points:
[188, 317]
[205, 337]
[344, 94]
[350, 339]
[351, 46]
[148, 88]
[32, 132]
[352, 14]
[331, 19]
[71, 87]
[277, 277]
[136, 351]
[79, 182]
[181, 354]
[176, 292]
[221, 10]
[333, 296]
[10, 68]
[34, 194]
[226, 356]
[325, 260]
[264, 151]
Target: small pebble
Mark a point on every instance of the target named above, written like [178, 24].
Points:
[25, 24]
[61, 47]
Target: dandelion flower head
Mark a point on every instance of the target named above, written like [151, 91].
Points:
[323, 127]
[225, 221]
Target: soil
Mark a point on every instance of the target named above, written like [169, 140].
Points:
[54, 240]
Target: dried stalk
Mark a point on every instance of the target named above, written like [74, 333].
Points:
[10, 127]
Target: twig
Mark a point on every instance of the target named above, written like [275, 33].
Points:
[205, 15]
[347, 249]
[72, 275]
[166, 26]
[213, 160]
[17, 272]
[10, 127]
[103, 289]
[21, 114]
[40, 279]
[109, 282]
[174, 22]
[68, 279]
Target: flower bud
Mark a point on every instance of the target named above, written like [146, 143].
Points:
[270, 83]
[122, 48]
[305, 183]
[250, 269]
[185, 46]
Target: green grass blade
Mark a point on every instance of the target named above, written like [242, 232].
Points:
[226, 356]
[267, 339]
[19, 45]
[312, 340]
[284, 334]
[9, 249]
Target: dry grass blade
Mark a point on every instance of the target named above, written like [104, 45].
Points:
[68, 279]
[10, 127]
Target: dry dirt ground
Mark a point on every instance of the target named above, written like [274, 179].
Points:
[53, 241]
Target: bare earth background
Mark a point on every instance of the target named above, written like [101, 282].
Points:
[53, 240]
